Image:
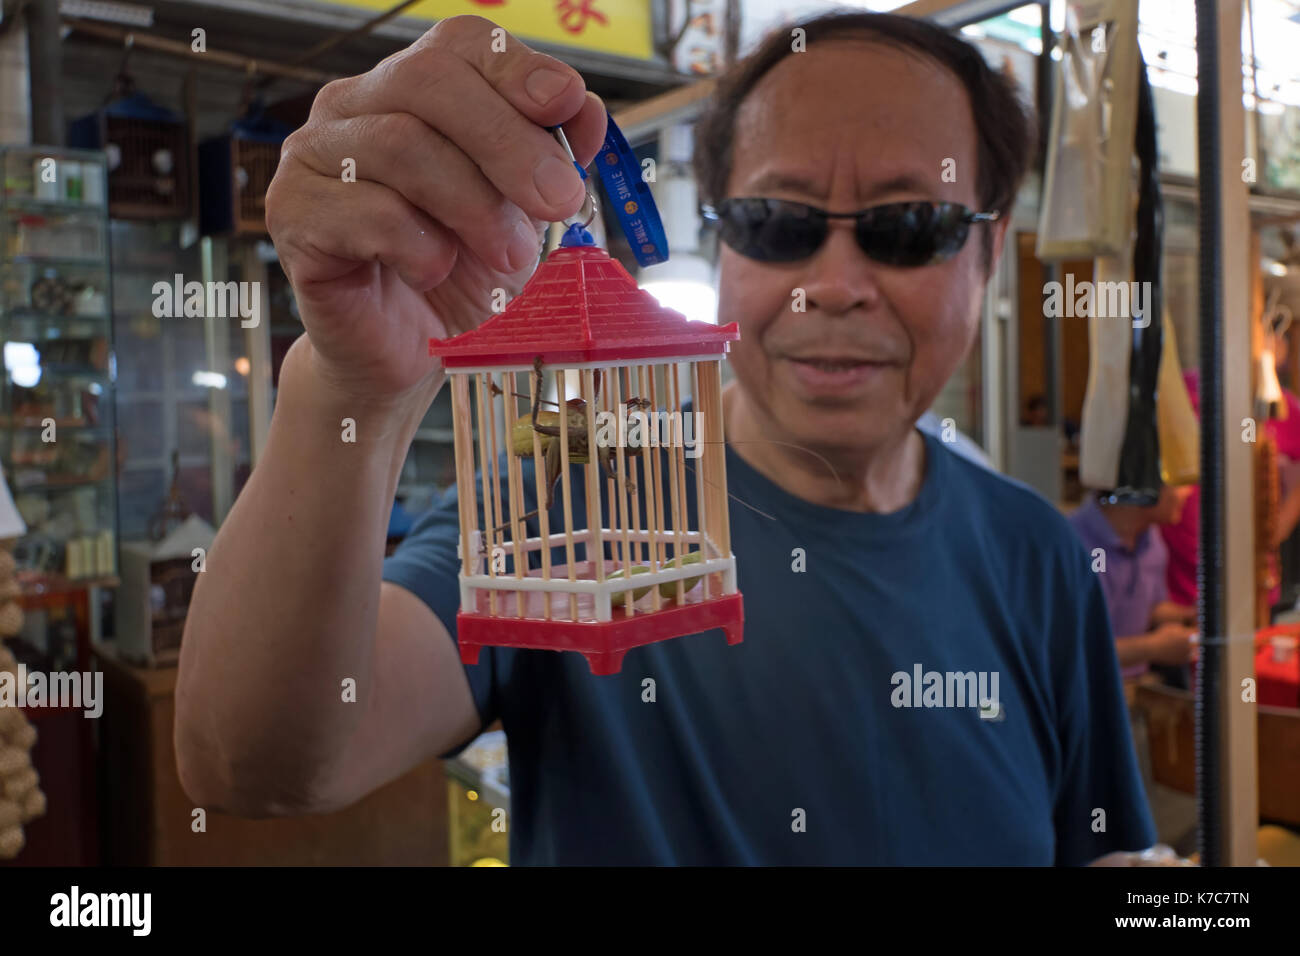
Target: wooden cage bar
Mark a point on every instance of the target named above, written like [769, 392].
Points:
[543, 515]
[654, 494]
[670, 396]
[463, 437]
[717, 529]
[570, 561]
[634, 470]
[609, 405]
[594, 547]
[514, 477]
[679, 451]
[629, 557]
[701, 505]
[484, 473]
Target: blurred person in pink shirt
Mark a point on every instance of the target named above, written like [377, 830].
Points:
[1182, 538]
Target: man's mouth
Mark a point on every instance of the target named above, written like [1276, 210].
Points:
[831, 365]
[836, 373]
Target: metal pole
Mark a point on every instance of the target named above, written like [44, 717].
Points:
[45, 62]
[1226, 772]
[233, 61]
[1209, 756]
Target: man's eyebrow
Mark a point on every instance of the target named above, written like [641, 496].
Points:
[780, 181]
[903, 182]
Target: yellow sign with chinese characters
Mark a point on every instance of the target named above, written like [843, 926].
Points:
[621, 27]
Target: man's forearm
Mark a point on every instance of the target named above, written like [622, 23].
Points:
[1170, 612]
[286, 608]
[1135, 649]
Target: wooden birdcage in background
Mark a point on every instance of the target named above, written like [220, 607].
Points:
[148, 149]
[652, 560]
[235, 171]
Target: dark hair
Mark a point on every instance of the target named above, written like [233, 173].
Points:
[1005, 127]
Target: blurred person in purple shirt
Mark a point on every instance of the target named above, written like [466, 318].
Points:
[1130, 559]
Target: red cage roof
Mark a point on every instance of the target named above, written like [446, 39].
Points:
[582, 306]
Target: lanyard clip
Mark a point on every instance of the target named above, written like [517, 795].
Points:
[588, 204]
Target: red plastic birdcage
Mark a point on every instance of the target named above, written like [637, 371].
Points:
[642, 567]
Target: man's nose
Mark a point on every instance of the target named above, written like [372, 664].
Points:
[841, 278]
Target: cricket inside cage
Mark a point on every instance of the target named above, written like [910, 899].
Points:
[592, 493]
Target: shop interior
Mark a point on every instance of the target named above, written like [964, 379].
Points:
[137, 141]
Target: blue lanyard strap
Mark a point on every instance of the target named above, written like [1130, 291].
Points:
[631, 197]
[634, 204]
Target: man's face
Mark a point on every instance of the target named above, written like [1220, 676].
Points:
[847, 125]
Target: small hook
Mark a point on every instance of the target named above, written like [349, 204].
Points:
[589, 203]
[558, 133]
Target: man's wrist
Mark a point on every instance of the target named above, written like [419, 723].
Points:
[311, 385]
[1146, 648]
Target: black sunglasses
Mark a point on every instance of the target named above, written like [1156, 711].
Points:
[895, 234]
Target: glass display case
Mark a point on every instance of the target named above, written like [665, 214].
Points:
[57, 427]
[181, 383]
[478, 802]
[430, 465]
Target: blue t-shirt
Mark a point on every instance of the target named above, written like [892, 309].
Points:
[798, 746]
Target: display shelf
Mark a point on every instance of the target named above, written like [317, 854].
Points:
[190, 393]
[19, 205]
[145, 270]
[142, 395]
[49, 585]
[25, 259]
[30, 422]
[33, 315]
[58, 484]
[55, 295]
[73, 370]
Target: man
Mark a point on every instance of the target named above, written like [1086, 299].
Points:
[1130, 559]
[1182, 536]
[804, 744]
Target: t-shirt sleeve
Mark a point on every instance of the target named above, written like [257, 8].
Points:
[1101, 805]
[426, 564]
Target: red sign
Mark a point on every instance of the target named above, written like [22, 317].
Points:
[574, 14]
